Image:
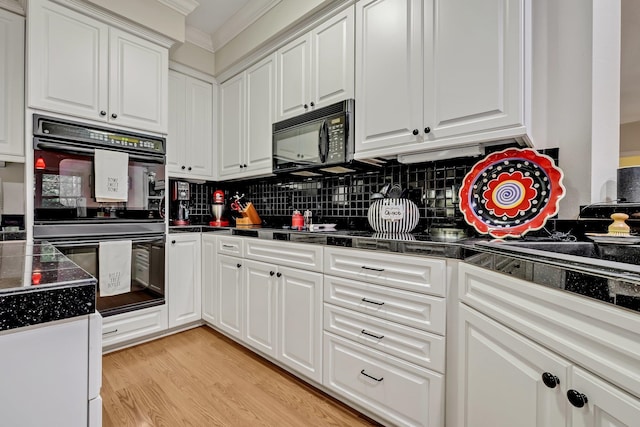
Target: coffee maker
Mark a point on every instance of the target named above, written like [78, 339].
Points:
[180, 203]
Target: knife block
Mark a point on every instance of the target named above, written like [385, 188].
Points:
[249, 216]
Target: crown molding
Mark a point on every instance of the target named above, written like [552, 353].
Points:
[185, 7]
[240, 21]
[13, 6]
[199, 38]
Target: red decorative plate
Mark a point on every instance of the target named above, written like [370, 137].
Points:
[511, 192]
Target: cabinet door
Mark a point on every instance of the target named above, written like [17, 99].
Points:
[209, 284]
[184, 287]
[260, 107]
[68, 61]
[300, 321]
[231, 127]
[389, 76]
[199, 128]
[260, 306]
[473, 77]
[11, 85]
[45, 366]
[176, 139]
[500, 377]
[607, 405]
[230, 284]
[294, 77]
[138, 82]
[332, 74]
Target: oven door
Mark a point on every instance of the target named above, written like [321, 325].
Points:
[64, 186]
[147, 270]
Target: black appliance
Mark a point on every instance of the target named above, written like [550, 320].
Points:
[318, 141]
[67, 214]
[180, 196]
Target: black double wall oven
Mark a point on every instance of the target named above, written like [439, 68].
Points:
[67, 214]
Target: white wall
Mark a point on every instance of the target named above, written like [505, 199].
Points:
[193, 56]
[272, 23]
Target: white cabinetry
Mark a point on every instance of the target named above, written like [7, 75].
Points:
[384, 323]
[316, 69]
[437, 74]
[51, 374]
[128, 328]
[87, 68]
[11, 87]
[246, 115]
[209, 284]
[230, 284]
[190, 142]
[184, 278]
[505, 377]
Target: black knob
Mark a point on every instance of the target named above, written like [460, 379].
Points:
[576, 398]
[312, 104]
[416, 131]
[238, 265]
[114, 115]
[103, 113]
[271, 273]
[279, 274]
[241, 166]
[306, 106]
[427, 129]
[182, 168]
[173, 242]
[550, 380]
[189, 168]
[244, 166]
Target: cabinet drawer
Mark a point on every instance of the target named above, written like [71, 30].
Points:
[412, 273]
[229, 245]
[412, 345]
[296, 255]
[407, 308]
[136, 324]
[400, 392]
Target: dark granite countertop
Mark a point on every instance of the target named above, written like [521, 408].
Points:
[608, 273]
[38, 284]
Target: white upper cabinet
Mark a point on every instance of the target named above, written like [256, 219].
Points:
[317, 69]
[83, 67]
[436, 74]
[190, 142]
[11, 86]
[246, 115]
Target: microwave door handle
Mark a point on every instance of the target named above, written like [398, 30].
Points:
[323, 142]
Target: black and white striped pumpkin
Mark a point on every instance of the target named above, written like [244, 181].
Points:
[382, 212]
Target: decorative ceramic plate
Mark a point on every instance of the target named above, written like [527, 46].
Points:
[511, 192]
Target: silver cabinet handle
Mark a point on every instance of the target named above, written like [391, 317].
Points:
[110, 332]
[364, 332]
[372, 302]
[227, 246]
[371, 376]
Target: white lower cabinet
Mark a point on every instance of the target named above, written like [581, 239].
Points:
[260, 301]
[184, 278]
[384, 334]
[401, 392]
[209, 283]
[230, 295]
[525, 353]
[46, 373]
[134, 325]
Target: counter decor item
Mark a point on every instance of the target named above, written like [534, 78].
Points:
[393, 215]
[511, 192]
[628, 188]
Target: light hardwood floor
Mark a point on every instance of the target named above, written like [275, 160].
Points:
[201, 378]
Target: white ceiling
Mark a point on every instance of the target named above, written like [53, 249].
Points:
[213, 23]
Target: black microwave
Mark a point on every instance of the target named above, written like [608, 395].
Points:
[318, 141]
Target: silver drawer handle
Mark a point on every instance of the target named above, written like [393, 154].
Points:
[110, 332]
[371, 335]
[371, 268]
[370, 376]
[372, 302]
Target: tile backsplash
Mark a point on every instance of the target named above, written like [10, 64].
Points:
[345, 199]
